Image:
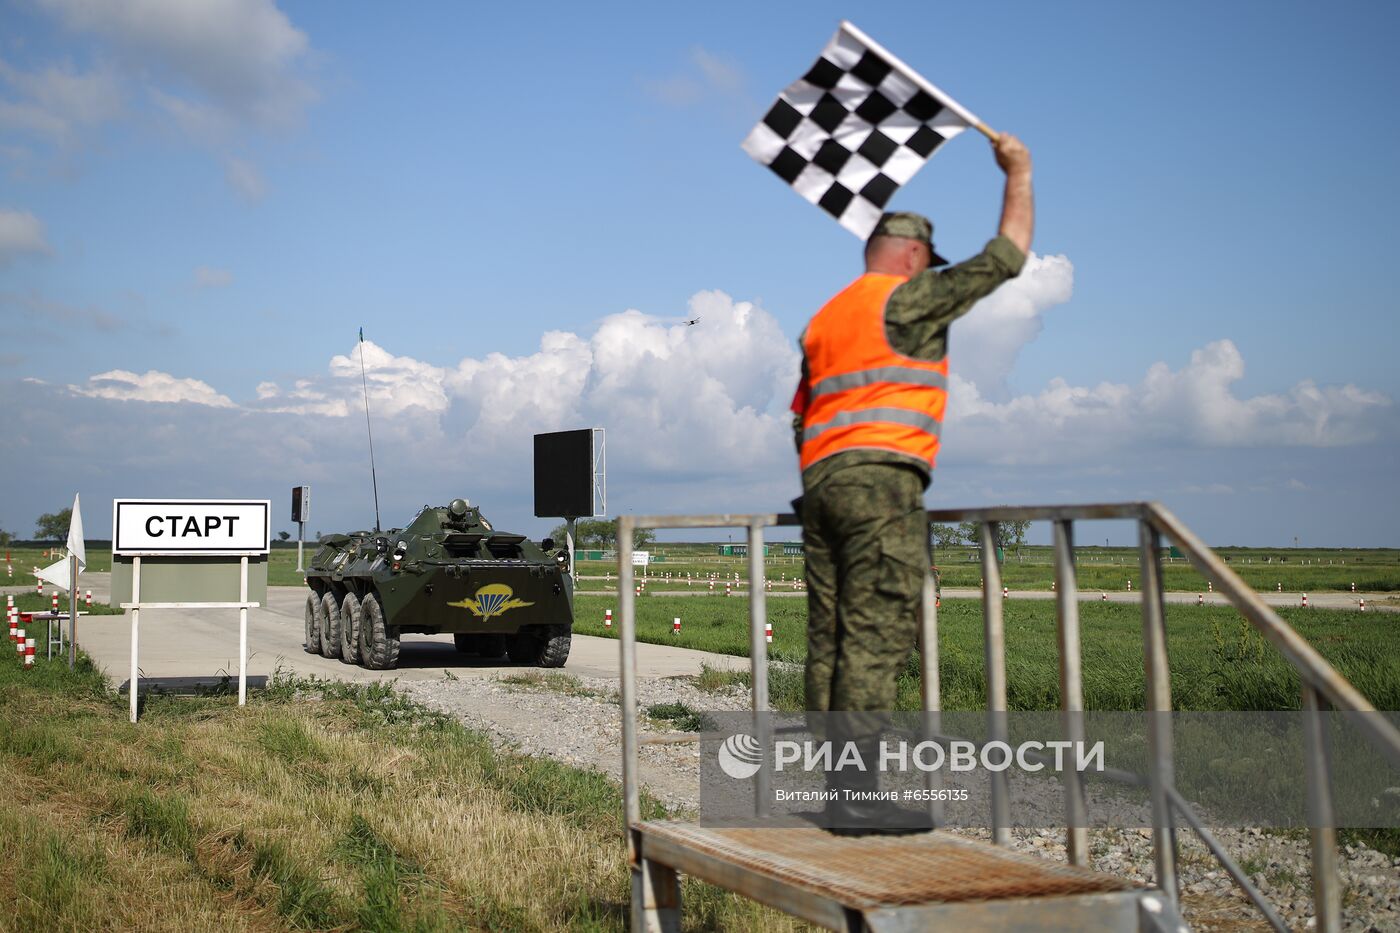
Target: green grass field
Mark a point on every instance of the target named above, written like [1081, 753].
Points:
[1218, 662]
[319, 806]
[1097, 568]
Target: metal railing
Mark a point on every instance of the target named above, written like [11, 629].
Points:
[1322, 686]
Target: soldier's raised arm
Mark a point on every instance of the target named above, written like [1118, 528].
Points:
[1018, 203]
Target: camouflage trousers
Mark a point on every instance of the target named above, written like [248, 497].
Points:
[865, 535]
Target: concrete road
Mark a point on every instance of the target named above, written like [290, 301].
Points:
[203, 644]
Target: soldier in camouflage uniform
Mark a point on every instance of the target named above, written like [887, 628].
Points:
[863, 520]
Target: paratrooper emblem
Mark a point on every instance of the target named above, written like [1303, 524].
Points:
[493, 599]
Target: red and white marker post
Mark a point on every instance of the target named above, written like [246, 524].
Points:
[28, 653]
[87, 599]
[676, 625]
[1103, 596]
[1305, 600]
[1005, 592]
[768, 632]
[19, 643]
[1200, 599]
[607, 618]
[1363, 606]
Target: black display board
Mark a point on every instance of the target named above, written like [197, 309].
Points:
[301, 504]
[564, 474]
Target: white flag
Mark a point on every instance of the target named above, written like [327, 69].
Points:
[854, 128]
[75, 536]
[58, 573]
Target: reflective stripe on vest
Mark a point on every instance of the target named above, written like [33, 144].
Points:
[914, 419]
[906, 374]
[863, 394]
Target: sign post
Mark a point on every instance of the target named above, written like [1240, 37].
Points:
[185, 550]
[301, 513]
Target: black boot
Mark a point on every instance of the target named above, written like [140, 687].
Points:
[857, 809]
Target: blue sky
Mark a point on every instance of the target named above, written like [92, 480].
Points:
[212, 197]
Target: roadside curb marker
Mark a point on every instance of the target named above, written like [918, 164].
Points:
[768, 632]
[676, 626]
[607, 618]
[28, 653]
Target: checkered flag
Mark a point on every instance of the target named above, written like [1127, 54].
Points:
[854, 128]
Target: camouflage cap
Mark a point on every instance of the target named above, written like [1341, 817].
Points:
[911, 226]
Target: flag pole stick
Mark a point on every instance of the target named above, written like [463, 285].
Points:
[923, 83]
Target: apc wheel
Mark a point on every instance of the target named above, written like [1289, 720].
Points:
[546, 646]
[555, 650]
[350, 629]
[330, 626]
[379, 643]
[313, 623]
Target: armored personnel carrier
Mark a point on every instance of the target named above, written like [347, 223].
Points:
[447, 571]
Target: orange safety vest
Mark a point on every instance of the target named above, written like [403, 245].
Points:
[860, 393]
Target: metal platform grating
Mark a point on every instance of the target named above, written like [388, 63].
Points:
[884, 871]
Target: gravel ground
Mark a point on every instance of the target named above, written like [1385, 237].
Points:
[576, 720]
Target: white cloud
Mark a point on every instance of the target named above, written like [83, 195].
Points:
[153, 386]
[59, 102]
[720, 73]
[706, 75]
[239, 56]
[214, 72]
[1194, 405]
[56, 318]
[985, 343]
[396, 384]
[211, 277]
[303, 399]
[21, 234]
[696, 420]
[243, 178]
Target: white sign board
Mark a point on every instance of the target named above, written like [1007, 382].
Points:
[641, 558]
[191, 526]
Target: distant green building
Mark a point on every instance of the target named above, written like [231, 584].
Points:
[737, 550]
